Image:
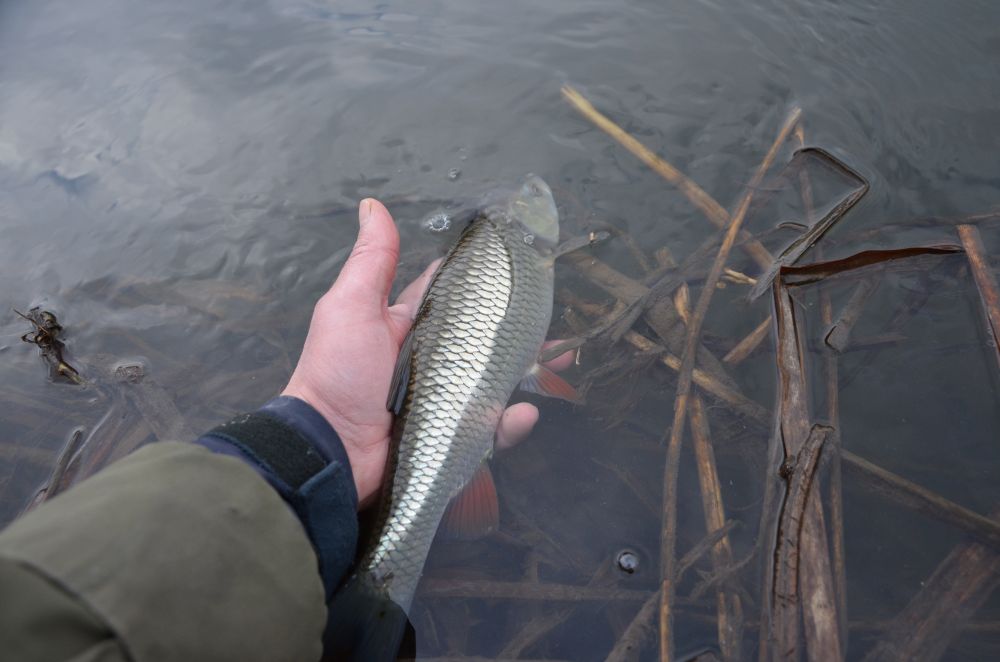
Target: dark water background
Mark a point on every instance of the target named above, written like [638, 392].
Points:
[178, 182]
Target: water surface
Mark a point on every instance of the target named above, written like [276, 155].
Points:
[178, 182]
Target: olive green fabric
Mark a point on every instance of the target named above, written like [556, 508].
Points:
[242, 575]
[40, 621]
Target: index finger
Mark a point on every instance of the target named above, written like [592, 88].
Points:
[414, 292]
[562, 361]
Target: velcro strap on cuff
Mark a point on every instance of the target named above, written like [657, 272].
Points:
[325, 506]
[275, 445]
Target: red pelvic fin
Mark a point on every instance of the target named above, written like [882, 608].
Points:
[474, 512]
[543, 381]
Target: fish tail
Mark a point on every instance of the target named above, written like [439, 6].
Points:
[364, 624]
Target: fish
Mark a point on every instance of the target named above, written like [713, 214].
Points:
[475, 338]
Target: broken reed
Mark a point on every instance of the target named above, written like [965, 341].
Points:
[808, 571]
[824, 612]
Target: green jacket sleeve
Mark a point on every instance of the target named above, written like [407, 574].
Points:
[87, 569]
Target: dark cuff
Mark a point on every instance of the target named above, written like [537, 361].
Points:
[299, 454]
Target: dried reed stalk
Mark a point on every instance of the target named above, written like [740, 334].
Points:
[728, 604]
[972, 241]
[715, 212]
[811, 607]
[945, 604]
[751, 342]
[669, 527]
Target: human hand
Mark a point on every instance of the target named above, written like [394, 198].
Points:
[350, 351]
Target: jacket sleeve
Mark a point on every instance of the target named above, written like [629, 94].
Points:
[173, 553]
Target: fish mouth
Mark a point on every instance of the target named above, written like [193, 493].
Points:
[534, 208]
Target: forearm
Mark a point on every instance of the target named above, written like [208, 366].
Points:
[298, 453]
[181, 554]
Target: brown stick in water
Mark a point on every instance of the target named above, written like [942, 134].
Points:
[833, 418]
[831, 373]
[916, 497]
[792, 553]
[839, 335]
[728, 604]
[749, 344]
[669, 526]
[972, 241]
[662, 315]
[945, 604]
[739, 402]
[813, 599]
[629, 645]
[715, 212]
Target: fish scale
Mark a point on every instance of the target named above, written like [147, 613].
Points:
[475, 336]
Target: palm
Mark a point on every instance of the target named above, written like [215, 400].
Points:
[354, 338]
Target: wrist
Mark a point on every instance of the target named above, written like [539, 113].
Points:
[293, 448]
[366, 470]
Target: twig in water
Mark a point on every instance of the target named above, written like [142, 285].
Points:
[960, 585]
[746, 347]
[715, 212]
[831, 373]
[54, 484]
[704, 546]
[972, 241]
[785, 599]
[641, 628]
[839, 335]
[814, 584]
[739, 402]
[728, 605]
[816, 230]
[669, 525]
[916, 497]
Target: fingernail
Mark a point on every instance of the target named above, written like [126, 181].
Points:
[364, 210]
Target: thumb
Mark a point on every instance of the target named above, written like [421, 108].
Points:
[371, 267]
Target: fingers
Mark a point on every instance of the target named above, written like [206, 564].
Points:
[562, 361]
[367, 275]
[402, 313]
[516, 424]
[518, 420]
[414, 292]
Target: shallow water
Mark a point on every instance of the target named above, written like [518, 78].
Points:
[178, 181]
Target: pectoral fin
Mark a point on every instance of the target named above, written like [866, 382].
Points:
[474, 512]
[543, 381]
[400, 376]
[576, 243]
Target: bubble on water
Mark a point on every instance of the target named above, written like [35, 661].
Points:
[628, 561]
[454, 174]
[529, 239]
[438, 222]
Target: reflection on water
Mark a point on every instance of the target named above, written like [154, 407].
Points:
[177, 184]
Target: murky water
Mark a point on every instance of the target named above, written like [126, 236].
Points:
[178, 181]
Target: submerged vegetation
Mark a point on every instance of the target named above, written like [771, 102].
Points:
[766, 572]
[785, 595]
[46, 336]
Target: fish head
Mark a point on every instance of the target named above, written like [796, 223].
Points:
[532, 209]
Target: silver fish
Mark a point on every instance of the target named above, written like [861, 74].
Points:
[475, 336]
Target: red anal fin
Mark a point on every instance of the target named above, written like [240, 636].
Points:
[474, 512]
[543, 381]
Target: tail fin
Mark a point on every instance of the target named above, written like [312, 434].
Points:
[363, 624]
